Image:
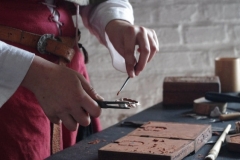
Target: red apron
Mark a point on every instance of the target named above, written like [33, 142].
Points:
[24, 129]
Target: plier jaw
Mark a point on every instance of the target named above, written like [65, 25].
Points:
[123, 103]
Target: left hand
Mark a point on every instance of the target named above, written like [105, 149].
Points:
[124, 36]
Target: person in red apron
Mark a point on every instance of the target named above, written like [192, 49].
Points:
[25, 129]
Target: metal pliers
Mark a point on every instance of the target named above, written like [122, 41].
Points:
[117, 104]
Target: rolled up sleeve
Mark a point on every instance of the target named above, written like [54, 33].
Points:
[96, 19]
[14, 64]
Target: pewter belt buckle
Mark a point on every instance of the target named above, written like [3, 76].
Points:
[42, 43]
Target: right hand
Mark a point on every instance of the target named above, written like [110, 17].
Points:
[62, 93]
[125, 37]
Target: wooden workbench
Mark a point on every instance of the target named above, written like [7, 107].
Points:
[88, 148]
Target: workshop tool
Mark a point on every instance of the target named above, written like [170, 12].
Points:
[214, 142]
[219, 117]
[133, 123]
[194, 115]
[123, 103]
[229, 116]
[118, 61]
[223, 97]
[212, 155]
[124, 84]
[226, 117]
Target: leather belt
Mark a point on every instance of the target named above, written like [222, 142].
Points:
[47, 43]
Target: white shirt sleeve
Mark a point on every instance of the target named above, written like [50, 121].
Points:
[14, 64]
[96, 19]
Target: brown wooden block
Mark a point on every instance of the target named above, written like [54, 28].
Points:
[204, 107]
[158, 140]
[233, 142]
[199, 133]
[142, 148]
[184, 90]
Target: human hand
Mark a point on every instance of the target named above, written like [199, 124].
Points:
[62, 93]
[124, 36]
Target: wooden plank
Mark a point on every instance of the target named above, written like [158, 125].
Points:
[199, 133]
[158, 140]
[142, 148]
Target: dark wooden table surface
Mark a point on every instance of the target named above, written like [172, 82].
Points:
[85, 151]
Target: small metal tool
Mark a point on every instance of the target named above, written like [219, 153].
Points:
[123, 104]
[133, 123]
[123, 85]
[113, 104]
[194, 115]
[214, 120]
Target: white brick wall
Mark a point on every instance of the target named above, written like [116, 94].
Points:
[191, 34]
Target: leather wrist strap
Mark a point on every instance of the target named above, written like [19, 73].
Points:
[60, 46]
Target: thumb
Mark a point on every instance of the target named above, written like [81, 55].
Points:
[89, 89]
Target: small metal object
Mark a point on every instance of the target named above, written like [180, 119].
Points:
[215, 120]
[131, 103]
[133, 123]
[220, 129]
[123, 103]
[123, 85]
[211, 142]
[42, 43]
[194, 115]
[113, 104]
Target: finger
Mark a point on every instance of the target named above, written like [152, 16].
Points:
[129, 48]
[144, 47]
[153, 41]
[89, 89]
[68, 122]
[90, 105]
[81, 116]
[92, 93]
[98, 97]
